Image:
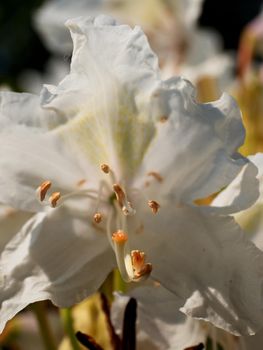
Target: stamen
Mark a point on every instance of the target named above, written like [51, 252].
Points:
[156, 175]
[97, 218]
[154, 206]
[125, 205]
[54, 198]
[132, 266]
[42, 190]
[105, 168]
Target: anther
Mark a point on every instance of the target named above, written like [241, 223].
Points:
[54, 198]
[141, 270]
[105, 168]
[154, 206]
[125, 205]
[138, 259]
[97, 218]
[144, 272]
[42, 190]
[155, 175]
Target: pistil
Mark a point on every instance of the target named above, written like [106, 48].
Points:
[132, 265]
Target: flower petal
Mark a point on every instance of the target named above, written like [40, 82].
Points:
[253, 342]
[56, 257]
[209, 263]
[10, 223]
[29, 157]
[101, 42]
[160, 325]
[25, 109]
[240, 194]
[106, 95]
[195, 149]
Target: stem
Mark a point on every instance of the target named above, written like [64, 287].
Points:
[68, 327]
[118, 284]
[44, 326]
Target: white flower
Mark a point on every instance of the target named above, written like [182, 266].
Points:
[112, 128]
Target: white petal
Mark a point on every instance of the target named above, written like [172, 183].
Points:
[106, 95]
[195, 149]
[10, 223]
[209, 263]
[240, 194]
[25, 109]
[253, 342]
[101, 42]
[28, 158]
[56, 257]
[159, 323]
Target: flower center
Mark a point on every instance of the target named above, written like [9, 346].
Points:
[112, 196]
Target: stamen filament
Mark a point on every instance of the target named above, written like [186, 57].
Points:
[107, 170]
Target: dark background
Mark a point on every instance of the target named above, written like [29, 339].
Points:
[21, 48]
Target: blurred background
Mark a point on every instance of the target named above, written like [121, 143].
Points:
[22, 48]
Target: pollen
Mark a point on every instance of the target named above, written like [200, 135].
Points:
[54, 198]
[97, 218]
[156, 176]
[154, 206]
[138, 259]
[119, 237]
[105, 168]
[42, 190]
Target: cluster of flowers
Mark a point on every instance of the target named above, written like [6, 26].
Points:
[106, 170]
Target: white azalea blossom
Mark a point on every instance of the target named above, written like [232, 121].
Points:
[109, 164]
